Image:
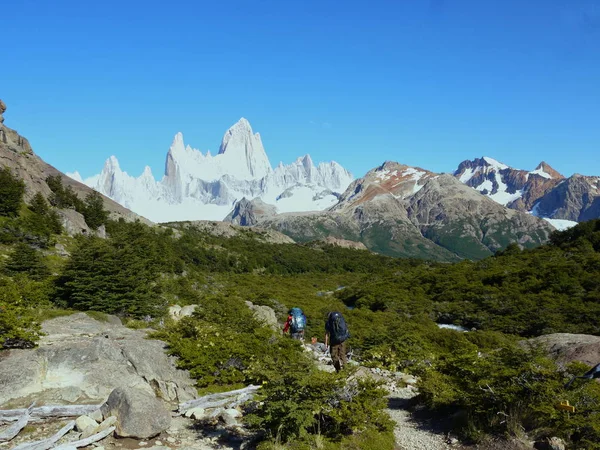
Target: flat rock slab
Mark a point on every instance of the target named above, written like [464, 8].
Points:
[81, 360]
[566, 347]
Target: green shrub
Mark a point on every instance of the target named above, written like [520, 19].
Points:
[297, 405]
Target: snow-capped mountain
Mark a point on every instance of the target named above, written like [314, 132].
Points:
[199, 185]
[543, 192]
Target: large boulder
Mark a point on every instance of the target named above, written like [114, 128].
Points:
[139, 415]
[81, 360]
[264, 314]
[566, 348]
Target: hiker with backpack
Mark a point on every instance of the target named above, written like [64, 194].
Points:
[336, 334]
[295, 324]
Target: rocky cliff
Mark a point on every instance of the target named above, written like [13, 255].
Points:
[17, 154]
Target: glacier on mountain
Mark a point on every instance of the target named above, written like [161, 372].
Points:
[198, 186]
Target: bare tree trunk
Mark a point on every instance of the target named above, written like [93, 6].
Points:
[11, 415]
[46, 444]
[13, 430]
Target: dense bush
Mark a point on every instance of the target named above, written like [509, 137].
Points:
[510, 390]
[298, 405]
[18, 297]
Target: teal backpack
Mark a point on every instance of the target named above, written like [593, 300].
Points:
[298, 320]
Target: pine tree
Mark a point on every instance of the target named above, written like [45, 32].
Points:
[12, 189]
[25, 259]
[116, 275]
[48, 221]
[94, 212]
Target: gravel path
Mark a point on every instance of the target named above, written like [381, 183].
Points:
[410, 434]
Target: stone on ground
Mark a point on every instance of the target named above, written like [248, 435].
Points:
[139, 414]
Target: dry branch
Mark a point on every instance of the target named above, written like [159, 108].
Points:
[220, 399]
[46, 444]
[11, 415]
[14, 429]
[87, 441]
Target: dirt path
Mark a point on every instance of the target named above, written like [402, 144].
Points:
[411, 434]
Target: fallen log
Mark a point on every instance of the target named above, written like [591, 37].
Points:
[11, 415]
[216, 400]
[46, 444]
[87, 441]
[13, 430]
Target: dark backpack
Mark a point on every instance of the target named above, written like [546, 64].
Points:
[298, 320]
[337, 328]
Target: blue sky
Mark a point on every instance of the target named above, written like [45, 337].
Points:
[427, 83]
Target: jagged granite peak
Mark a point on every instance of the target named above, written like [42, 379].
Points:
[199, 185]
[240, 143]
[250, 212]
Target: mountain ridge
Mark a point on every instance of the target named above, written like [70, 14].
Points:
[201, 186]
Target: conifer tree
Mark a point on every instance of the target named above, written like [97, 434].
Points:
[94, 212]
[12, 189]
[46, 219]
[25, 259]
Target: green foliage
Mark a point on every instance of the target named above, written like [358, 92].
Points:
[117, 275]
[46, 219]
[17, 319]
[26, 260]
[510, 390]
[296, 405]
[12, 189]
[224, 345]
[63, 197]
[93, 211]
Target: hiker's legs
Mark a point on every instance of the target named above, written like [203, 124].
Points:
[343, 356]
[299, 336]
[336, 356]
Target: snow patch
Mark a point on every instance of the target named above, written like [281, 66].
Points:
[467, 175]
[541, 173]
[561, 224]
[495, 164]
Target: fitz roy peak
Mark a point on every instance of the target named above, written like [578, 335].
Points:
[198, 186]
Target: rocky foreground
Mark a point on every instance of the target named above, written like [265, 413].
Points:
[134, 396]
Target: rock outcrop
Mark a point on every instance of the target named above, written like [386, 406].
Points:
[2, 110]
[227, 230]
[566, 348]
[577, 199]
[81, 360]
[248, 213]
[264, 314]
[139, 414]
